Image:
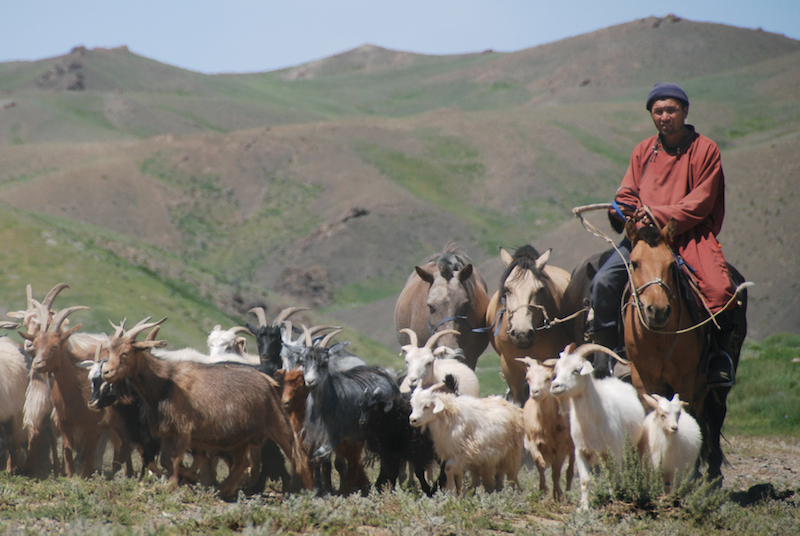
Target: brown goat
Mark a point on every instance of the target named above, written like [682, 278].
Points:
[57, 352]
[294, 394]
[207, 408]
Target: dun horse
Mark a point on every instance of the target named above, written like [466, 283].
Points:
[663, 361]
[529, 299]
[445, 293]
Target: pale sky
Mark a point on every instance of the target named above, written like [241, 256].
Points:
[214, 36]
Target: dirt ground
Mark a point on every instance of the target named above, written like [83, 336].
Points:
[760, 460]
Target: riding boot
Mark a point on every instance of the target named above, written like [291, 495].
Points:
[604, 364]
[720, 371]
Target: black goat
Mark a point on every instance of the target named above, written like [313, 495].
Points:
[334, 410]
[269, 337]
[124, 400]
[384, 421]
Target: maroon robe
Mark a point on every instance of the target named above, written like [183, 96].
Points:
[688, 185]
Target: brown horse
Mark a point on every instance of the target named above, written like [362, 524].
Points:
[445, 293]
[529, 298]
[663, 361]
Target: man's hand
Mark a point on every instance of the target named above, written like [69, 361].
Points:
[642, 215]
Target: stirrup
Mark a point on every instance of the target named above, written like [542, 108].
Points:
[721, 375]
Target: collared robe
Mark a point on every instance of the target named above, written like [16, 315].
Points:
[686, 184]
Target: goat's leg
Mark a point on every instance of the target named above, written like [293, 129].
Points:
[558, 494]
[584, 472]
[229, 487]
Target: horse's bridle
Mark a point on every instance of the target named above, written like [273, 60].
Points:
[546, 322]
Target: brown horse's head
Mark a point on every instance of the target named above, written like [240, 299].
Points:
[653, 272]
[448, 297]
[525, 291]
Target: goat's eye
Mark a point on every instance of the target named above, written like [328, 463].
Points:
[663, 417]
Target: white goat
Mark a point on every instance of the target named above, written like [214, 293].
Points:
[482, 435]
[425, 368]
[223, 348]
[671, 437]
[228, 343]
[13, 384]
[601, 412]
[547, 427]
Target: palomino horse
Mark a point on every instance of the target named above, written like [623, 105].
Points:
[528, 300]
[445, 293]
[663, 359]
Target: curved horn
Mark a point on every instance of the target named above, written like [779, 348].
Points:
[316, 329]
[412, 335]
[118, 330]
[586, 349]
[436, 336]
[286, 313]
[29, 293]
[141, 326]
[260, 314]
[62, 315]
[328, 337]
[307, 336]
[241, 329]
[53, 294]
[152, 335]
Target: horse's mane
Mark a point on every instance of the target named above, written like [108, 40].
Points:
[650, 235]
[524, 258]
[451, 260]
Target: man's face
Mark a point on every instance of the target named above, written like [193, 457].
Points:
[669, 116]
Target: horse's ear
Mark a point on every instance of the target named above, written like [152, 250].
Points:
[424, 274]
[668, 232]
[505, 256]
[651, 401]
[465, 273]
[542, 260]
[631, 231]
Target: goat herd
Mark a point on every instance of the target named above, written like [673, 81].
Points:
[310, 400]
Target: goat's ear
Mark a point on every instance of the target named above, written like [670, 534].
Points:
[685, 405]
[279, 375]
[389, 405]
[425, 275]
[146, 345]
[438, 405]
[465, 273]
[85, 364]
[587, 369]
[550, 362]
[652, 402]
[527, 360]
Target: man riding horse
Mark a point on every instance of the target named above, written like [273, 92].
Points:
[674, 174]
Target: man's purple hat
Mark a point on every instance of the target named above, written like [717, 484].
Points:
[666, 90]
